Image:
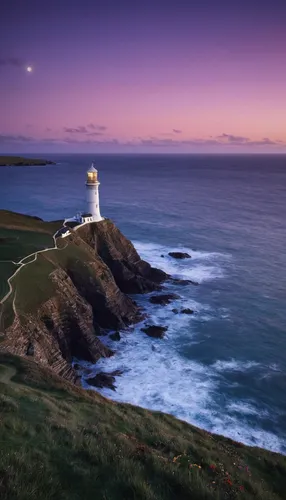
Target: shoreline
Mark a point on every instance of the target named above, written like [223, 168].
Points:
[149, 385]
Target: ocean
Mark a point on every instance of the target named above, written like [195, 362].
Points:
[224, 367]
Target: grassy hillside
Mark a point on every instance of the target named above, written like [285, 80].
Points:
[16, 244]
[32, 285]
[61, 442]
[14, 220]
[21, 235]
[20, 161]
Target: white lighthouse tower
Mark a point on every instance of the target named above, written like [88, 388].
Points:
[92, 194]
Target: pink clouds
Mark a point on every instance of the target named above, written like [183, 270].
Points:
[144, 77]
[80, 141]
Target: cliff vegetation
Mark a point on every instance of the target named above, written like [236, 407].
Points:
[59, 295]
[61, 442]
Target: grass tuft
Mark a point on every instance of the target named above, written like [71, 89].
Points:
[61, 442]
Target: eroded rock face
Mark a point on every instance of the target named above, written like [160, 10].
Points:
[131, 274]
[90, 280]
[179, 255]
[62, 327]
[155, 331]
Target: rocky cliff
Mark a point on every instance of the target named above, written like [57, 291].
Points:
[130, 272]
[67, 296]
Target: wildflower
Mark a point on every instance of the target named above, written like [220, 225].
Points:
[212, 467]
[241, 488]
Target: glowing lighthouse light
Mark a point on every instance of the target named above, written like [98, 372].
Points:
[92, 194]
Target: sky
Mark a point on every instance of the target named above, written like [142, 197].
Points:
[160, 76]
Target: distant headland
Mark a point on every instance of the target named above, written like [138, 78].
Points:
[19, 161]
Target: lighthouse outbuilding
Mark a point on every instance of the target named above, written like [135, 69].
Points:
[92, 194]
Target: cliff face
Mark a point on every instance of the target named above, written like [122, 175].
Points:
[63, 300]
[131, 273]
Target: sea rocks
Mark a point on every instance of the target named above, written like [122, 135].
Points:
[187, 310]
[179, 281]
[179, 255]
[155, 331]
[104, 379]
[163, 299]
[115, 336]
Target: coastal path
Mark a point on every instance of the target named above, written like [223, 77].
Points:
[21, 264]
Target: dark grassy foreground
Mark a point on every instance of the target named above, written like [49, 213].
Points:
[61, 442]
[17, 161]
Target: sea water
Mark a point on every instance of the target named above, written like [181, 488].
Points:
[224, 367]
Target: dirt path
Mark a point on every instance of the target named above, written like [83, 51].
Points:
[21, 264]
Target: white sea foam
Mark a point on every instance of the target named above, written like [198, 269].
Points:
[155, 374]
[234, 365]
[247, 408]
[271, 370]
[203, 266]
[275, 367]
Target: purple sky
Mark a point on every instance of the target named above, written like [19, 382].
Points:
[143, 76]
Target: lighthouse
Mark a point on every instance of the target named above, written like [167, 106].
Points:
[92, 195]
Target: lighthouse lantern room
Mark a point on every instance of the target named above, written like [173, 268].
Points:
[92, 194]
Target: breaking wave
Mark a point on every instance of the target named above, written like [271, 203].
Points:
[201, 267]
[156, 374]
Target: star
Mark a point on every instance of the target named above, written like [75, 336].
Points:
[29, 69]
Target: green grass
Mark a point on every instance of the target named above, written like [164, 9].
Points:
[20, 236]
[14, 220]
[6, 270]
[61, 442]
[6, 313]
[33, 285]
[16, 244]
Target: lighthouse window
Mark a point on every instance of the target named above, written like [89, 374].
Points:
[92, 176]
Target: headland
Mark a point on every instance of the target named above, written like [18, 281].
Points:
[61, 441]
[19, 161]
